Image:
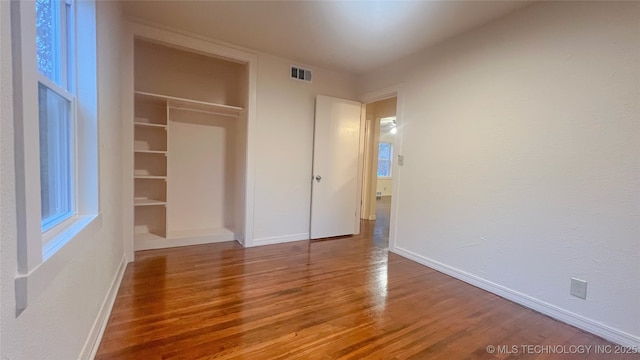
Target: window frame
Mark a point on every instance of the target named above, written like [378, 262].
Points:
[65, 89]
[42, 256]
[389, 160]
[67, 42]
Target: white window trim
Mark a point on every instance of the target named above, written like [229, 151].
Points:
[41, 256]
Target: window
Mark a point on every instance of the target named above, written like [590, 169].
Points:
[385, 154]
[54, 57]
[57, 182]
[55, 157]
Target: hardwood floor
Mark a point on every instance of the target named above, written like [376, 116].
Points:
[345, 298]
[380, 234]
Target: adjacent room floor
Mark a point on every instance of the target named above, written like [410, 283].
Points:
[344, 298]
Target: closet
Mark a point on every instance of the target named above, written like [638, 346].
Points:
[189, 147]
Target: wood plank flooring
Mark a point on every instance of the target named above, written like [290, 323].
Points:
[345, 298]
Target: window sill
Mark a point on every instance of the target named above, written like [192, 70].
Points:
[59, 249]
[54, 239]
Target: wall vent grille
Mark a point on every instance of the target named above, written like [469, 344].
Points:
[299, 73]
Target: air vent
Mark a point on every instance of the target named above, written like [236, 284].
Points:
[299, 73]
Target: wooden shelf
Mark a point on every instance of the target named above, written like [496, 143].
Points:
[163, 152]
[149, 98]
[148, 202]
[150, 125]
[187, 104]
[149, 177]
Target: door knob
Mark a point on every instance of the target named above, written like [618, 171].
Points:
[318, 178]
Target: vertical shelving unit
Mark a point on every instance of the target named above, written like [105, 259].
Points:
[190, 135]
[151, 135]
[150, 168]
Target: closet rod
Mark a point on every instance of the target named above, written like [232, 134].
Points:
[202, 111]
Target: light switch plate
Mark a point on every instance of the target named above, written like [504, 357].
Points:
[400, 160]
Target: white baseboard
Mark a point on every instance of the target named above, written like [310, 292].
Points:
[372, 217]
[97, 330]
[280, 239]
[579, 321]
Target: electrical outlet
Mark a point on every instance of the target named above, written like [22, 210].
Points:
[578, 288]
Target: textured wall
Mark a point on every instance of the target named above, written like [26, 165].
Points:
[522, 158]
[284, 145]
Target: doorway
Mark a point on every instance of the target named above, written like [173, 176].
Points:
[380, 144]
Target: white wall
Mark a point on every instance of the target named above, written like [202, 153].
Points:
[522, 163]
[56, 324]
[284, 146]
[7, 193]
[201, 171]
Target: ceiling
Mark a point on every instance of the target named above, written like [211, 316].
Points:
[351, 36]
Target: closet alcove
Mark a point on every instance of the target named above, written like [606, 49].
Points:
[190, 136]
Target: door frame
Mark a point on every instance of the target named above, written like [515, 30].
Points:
[366, 170]
[382, 94]
[197, 44]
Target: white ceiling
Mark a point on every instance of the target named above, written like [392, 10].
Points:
[352, 36]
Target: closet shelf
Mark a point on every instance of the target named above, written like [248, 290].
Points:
[151, 152]
[188, 104]
[147, 202]
[150, 125]
[149, 177]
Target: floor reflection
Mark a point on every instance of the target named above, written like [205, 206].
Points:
[383, 216]
[149, 279]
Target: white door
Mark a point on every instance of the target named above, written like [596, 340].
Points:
[335, 200]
